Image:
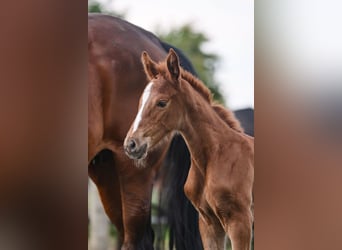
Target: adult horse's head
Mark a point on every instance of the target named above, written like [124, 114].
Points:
[159, 108]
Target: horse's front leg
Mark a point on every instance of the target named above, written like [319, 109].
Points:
[104, 175]
[136, 192]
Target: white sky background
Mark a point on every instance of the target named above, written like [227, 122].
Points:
[229, 24]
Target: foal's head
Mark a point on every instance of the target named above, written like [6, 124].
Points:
[160, 107]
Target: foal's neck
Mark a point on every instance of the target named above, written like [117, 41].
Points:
[203, 130]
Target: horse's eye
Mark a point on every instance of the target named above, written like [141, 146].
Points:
[161, 103]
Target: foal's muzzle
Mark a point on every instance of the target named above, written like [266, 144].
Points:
[134, 149]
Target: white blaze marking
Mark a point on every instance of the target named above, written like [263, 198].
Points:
[144, 99]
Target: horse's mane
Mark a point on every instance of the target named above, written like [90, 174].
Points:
[225, 114]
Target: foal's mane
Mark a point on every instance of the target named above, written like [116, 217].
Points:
[225, 114]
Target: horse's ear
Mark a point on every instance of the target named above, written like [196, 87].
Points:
[172, 62]
[149, 65]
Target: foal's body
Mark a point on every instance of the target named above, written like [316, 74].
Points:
[221, 176]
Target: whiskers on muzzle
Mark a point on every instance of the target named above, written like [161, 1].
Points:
[135, 149]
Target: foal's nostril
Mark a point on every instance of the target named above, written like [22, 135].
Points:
[134, 149]
[131, 144]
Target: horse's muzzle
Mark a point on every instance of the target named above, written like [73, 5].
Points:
[134, 150]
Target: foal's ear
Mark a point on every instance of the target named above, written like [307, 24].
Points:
[150, 66]
[172, 62]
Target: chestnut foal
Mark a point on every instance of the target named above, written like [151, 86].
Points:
[221, 176]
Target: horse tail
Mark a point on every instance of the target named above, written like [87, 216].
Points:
[181, 216]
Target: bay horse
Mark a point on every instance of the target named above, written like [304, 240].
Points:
[221, 175]
[116, 80]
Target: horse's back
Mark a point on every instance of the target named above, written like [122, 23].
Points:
[116, 76]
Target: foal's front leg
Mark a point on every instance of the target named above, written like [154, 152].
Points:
[212, 233]
[239, 230]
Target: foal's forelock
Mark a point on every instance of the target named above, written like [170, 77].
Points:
[145, 96]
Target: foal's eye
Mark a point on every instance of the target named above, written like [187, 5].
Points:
[162, 103]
